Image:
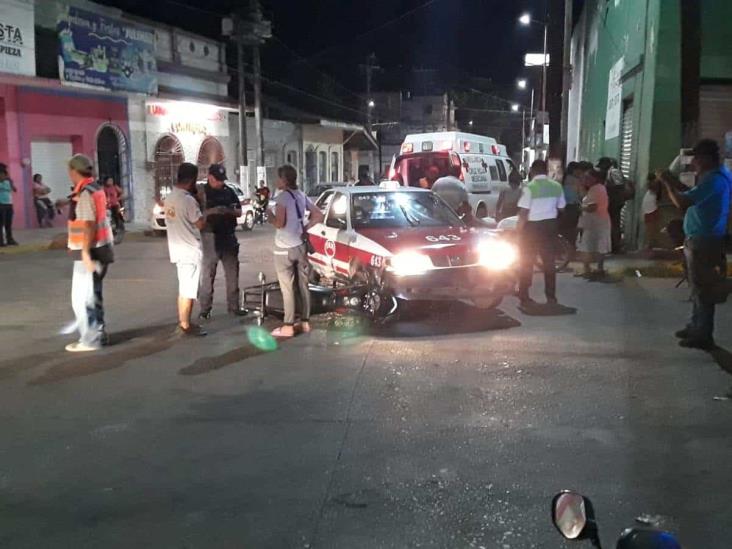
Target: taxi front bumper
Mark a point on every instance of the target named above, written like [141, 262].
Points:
[454, 284]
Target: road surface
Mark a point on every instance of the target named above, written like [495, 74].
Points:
[450, 430]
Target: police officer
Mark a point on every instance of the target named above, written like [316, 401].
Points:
[218, 238]
[540, 204]
[707, 208]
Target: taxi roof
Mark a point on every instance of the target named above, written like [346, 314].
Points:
[378, 189]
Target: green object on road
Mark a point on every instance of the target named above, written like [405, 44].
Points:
[261, 339]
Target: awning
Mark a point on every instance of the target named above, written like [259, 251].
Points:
[355, 137]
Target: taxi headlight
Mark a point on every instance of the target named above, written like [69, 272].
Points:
[410, 263]
[497, 255]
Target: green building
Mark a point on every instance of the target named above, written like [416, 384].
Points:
[649, 77]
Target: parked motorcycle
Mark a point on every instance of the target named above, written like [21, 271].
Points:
[573, 516]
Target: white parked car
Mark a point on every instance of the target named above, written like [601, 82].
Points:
[245, 221]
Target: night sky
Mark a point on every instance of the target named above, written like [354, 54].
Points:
[458, 38]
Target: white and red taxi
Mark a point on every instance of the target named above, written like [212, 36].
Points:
[406, 244]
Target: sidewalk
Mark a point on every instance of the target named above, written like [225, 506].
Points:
[36, 240]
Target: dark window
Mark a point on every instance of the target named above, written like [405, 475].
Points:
[494, 173]
[502, 170]
[337, 212]
[46, 53]
[206, 51]
[192, 46]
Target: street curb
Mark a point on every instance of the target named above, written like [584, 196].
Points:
[58, 242]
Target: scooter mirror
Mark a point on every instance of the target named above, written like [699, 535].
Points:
[569, 514]
[647, 538]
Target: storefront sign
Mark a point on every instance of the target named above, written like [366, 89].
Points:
[17, 38]
[614, 100]
[104, 52]
[183, 118]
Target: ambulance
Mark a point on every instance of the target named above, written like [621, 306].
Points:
[483, 165]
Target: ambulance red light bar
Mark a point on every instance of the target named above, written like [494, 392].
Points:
[466, 146]
[407, 148]
[495, 149]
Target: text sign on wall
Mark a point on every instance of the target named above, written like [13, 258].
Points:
[614, 100]
[104, 52]
[183, 118]
[17, 38]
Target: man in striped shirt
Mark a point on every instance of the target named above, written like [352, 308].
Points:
[540, 204]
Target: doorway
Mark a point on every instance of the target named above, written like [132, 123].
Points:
[211, 152]
[112, 159]
[168, 157]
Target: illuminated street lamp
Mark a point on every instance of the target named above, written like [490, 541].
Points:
[371, 104]
[515, 107]
[525, 19]
[522, 84]
[470, 123]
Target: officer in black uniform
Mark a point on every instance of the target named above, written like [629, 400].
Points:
[222, 209]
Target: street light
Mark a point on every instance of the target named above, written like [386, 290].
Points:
[371, 104]
[515, 107]
[470, 123]
[525, 19]
[522, 84]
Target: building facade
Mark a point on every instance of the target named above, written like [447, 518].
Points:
[648, 79]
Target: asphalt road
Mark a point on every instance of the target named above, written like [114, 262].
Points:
[450, 430]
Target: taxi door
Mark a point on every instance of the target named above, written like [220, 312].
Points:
[336, 235]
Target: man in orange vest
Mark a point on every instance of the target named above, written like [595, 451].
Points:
[90, 244]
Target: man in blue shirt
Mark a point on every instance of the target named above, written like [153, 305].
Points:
[707, 208]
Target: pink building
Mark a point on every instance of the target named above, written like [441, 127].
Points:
[43, 123]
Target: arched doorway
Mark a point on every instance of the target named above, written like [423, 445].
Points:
[168, 157]
[211, 152]
[112, 157]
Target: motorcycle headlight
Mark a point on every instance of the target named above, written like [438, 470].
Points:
[497, 255]
[410, 263]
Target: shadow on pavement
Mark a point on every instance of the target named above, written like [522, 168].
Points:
[209, 364]
[153, 340]
[540, 309]
[465, 320]
[723, 358]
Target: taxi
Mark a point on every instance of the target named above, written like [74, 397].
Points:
[404, 244]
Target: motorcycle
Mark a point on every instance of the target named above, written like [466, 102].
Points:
[573, 515]
[117, 219]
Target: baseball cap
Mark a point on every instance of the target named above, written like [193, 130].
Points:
[218, 171]
[81, 163]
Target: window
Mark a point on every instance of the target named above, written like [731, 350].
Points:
[191, 46]
[334, 165]
[311, 169]
[322, 166]
[494, 173]
[324, 201]
[206, 50]
[337, 212]
[292, 158]
[401, 210]
[502, 170]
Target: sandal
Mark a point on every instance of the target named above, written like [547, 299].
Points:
[304, 327]
[277, 332]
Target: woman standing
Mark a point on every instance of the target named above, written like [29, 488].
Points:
[45, 210]
[7, 188]
[651, 213]
[594, 242]
[290, 251]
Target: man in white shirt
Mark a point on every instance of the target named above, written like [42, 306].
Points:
[184, 221]
[541, 202]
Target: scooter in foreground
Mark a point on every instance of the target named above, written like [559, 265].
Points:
[574, 516]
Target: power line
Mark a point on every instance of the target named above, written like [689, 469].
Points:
[373, 30]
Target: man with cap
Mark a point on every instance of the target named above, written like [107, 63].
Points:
[218, 238]
[707, 207]
[90, 243]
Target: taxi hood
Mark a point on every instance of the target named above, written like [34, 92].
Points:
[428, 240]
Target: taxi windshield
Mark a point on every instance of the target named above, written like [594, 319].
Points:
[393, 210]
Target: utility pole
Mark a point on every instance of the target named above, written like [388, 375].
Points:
[370, 67]
[256, 12]
[566, 77]
[243, 160]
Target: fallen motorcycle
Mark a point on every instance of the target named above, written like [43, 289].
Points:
[573, 516]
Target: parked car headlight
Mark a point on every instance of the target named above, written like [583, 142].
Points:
[497, 255]
[410, 263]
[158, 210]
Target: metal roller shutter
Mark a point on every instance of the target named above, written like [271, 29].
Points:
[626, 166]
[50, 158]
[715, 112]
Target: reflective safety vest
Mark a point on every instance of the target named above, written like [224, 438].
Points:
[103, 229]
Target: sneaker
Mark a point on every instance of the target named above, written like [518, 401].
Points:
[79, 347]
[683, 334]
[205, 316]
[239, 312]
[194, 330]
[12, 243]
[703, 344]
